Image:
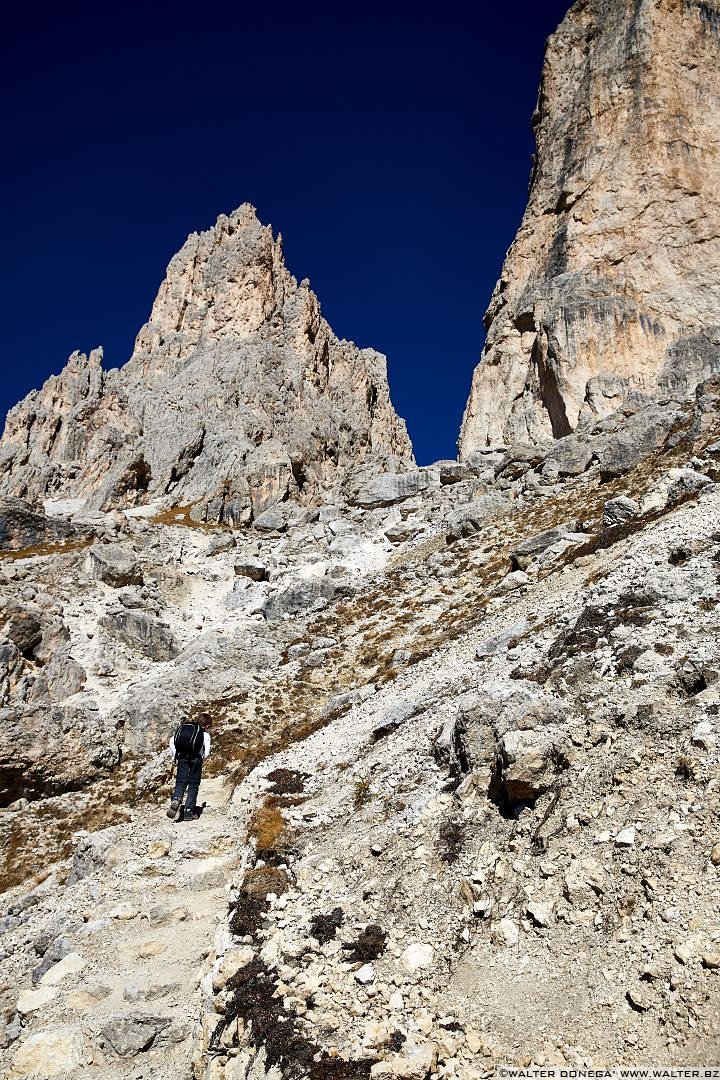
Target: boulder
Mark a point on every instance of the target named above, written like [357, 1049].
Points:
[252, 568]
[391, 488]
[142, 633]
[638, 438]
[64, 676]
[270, 521]
[22, 625]
[301, 596]
[452, 472]
[534, 546]
[51, 1052]
[530, 762]
[470, 517]
[403, 531]
[568, 457]
[130, 1035]
[114, 565]
[618, 511]
[22, 526]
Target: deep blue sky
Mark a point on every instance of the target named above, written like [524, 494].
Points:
[390, 145]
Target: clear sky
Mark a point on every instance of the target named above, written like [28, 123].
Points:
[390, 144]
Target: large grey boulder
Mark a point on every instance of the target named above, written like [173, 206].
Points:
[132, 1034]
[114, 565]
[301, 596]
[142, 633]
[469, 518]
[643, 433]
[620, 510]
[534, 546]
[394, 487]
[22, 526]
[568, 457]
[250, 567]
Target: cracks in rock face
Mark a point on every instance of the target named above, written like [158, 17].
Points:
[186, 460]
[548, 389]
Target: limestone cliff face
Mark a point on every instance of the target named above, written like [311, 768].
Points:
[237, 395]
[610, 289]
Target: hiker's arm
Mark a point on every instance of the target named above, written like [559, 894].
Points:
[206, 745]
[171, 745]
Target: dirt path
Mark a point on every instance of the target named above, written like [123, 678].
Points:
[138, 916]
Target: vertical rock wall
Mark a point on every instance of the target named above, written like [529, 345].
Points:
[610, 289]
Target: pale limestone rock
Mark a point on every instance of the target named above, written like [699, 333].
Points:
[31, 1000]
[415, 1063]
[506, 932]
[72, 964]
[365, 975]
[416, 957]
[238, 395]
[609, 291]
[50, 1053]
[124, 910]
[158, 849]
[228, 965]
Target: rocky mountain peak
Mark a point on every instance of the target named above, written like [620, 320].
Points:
[608, 292]
[238, 396]
[223, 283]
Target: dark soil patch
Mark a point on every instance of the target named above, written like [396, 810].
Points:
[287, 781]
[451, 840]
[370, 944]
[325, 927]
[248, 910]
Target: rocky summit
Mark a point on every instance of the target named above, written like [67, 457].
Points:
[237, 396]
[609, 291]
[463, 804]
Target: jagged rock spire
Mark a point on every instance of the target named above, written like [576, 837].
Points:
[237, 390]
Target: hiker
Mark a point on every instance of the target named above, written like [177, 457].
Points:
[191, 745]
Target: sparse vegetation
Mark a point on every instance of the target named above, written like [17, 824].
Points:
[451, 840]
[362, 792]
[267, 828]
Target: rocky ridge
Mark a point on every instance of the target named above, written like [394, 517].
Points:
[237, 396]
[609, 291]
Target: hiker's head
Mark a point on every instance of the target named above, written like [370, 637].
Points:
[205, 721]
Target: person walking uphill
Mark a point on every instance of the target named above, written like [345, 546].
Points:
[191, 745]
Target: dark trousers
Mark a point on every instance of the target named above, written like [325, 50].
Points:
[188, 777]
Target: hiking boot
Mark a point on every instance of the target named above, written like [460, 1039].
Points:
[191, 815]
[174, 804]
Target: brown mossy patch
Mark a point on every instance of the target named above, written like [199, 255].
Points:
[248, 909]
[287, 781]
[369, 945]
[180, 516]
[324, 927]
[62, 547]
[262, 880]
[267, 828]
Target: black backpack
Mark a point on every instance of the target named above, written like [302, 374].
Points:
[189, 741]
